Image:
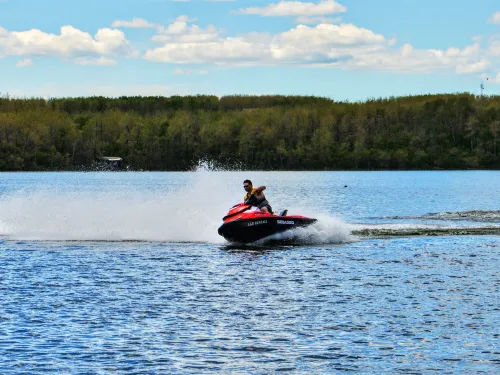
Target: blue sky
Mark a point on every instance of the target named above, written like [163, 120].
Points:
[346, 49]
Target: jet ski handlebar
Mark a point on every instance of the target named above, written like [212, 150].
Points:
[244, 207]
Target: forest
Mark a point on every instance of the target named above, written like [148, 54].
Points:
[447, 131]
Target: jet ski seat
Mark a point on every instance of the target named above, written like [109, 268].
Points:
[283, 213]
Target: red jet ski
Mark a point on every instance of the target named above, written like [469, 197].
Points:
[243, 225]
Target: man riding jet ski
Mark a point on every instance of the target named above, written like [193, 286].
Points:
[256, 197]
[243, 225]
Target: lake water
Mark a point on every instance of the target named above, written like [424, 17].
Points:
[124, 273]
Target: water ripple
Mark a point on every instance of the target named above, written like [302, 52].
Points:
[408, 306]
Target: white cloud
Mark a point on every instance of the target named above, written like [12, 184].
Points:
[306, 20]
[71, 42]
[24, 63]
[494, 46]
[412, 60]
[296, 9]
[302, 44]
[476, 67]
[326, 44]
[328, 35]
[495, 18]
[392, 41]
[344, 46]
[179, 26]
[229, 50]
[179, 71]
[180, 31]
[135, 23]
[259, 38]
[104, 61]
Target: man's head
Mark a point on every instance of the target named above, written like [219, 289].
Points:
[247, 185]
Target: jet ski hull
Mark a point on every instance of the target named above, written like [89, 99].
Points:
[254, 229]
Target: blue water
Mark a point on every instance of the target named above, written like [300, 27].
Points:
[124, 273]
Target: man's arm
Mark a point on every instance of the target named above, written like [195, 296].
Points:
[260, 189]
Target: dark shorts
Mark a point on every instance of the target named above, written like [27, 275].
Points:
[265, 203]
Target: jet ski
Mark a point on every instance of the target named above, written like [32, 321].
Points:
[244, 225]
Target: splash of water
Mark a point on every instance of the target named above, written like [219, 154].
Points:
[190, 213]
[327, 230]
[217, 165]
[187, 214]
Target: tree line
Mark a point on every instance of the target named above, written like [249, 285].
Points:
[448, 131]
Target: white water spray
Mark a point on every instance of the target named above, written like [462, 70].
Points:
[191, 213]
[327, 230]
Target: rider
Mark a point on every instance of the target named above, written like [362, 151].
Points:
[256, 197]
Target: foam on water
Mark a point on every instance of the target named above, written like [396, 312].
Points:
[492, 216]
[397, 230]
[327, 230]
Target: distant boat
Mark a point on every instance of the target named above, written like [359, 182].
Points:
[110, 163]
